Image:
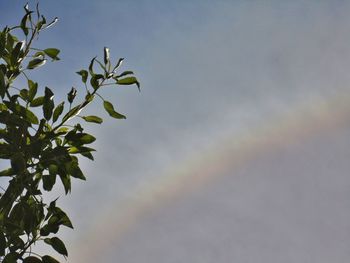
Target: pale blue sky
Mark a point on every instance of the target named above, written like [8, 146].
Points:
[253, 95]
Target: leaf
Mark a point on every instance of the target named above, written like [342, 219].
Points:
[48, 182]
[57, 245]
[70, 114]
[58, 111]
[73, 169]
[84, 75]
[48, 259]
[3, 84]
[93, 119]
[17, 52]
[32, 259]
[7, 172]
[62, 218]
[80, 138]
[24, 94]
[66, 182]
[94, 82]
[37, 101]
[29, 116]
[124, 74]
[91, 70]
[89, 97]
[119, 63]
[106, 55]
[2, 244]
[33, 87]
[23, 24]
[10, 258]
[48, 104]
[128, 81]
[37, 62]
[110, 109]
[80, 149]
[52, 23]
[52, 53]
[71, 95]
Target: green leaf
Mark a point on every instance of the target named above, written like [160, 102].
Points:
[52, 53]
[24, 94]
[129, 81]
[125, 73]
[89, 97]
[32, 259]
[29, 116]
[80, 149]
[79, 138]
[58, 111]
[110, 109]
[119, 63]
[70, 114]
[93, 119]
[84, 75]
[33, 87]
[94, 82]
[48, 259]
[7, 172]
[57, 245]
[37, 101]
[37, 62]
[91, 66]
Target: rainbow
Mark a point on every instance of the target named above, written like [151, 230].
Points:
[227, 154]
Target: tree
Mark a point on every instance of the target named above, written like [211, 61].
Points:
[42, 140]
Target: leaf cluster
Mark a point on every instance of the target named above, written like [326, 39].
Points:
[41, 140]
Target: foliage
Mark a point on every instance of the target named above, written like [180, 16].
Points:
[40, 140]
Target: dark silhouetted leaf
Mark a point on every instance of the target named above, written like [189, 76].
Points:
[48, 259]
[32, 259]
[3, 84]
[71, 95]
[48, 103]
[10, 258]
[57, 245]
[2, 244]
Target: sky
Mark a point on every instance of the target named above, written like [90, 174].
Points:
[236, 149]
